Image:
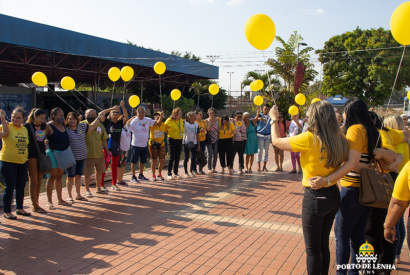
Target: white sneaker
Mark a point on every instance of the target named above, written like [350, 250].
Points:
[186, 176]
[177, 177]
[210, 172]
[240, 172]
[169, 177]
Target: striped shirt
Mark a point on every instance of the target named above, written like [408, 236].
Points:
[77, 141]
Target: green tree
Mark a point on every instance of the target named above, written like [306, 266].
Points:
[252, 76]
[184, 103]
[199, 89]
[286, 60]
[363, 63]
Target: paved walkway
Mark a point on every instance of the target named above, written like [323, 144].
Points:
[213, 224]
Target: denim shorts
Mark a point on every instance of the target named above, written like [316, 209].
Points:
[139, 153]
[76, 170]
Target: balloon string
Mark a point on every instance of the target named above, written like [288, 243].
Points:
[174, 105]
[160, 92]
[212, 103]
[112, 95]
[267, 73]
[89, 100]
[78, 99]
[391, 94]
[123, 93]
[62, 99]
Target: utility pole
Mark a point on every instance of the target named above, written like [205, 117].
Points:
[213, 58]
[230, 86]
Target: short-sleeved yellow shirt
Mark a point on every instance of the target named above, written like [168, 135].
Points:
[387, 140]
[397, 136]
[202, 130]
[94, 141]
[401, 189]
[175, 129]
[15, 145]
[312, 161]
[224, 132]
[403, 148]
[156, 133]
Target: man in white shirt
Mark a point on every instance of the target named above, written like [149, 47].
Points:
[139, 127]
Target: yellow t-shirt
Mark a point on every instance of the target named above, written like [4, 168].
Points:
[401, 189]
[357, 137]
[224, 132]
[387, 140]
[156, 133]
[94, 141]
[403, 148]
[175, 129]
[397, 136]
[202, 130]
[312, 161]
[15, 144]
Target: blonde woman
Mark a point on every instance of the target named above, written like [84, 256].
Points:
[323, 149]
[226, 132]
[174, 127]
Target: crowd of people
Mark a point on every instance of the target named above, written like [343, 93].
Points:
[328, 147]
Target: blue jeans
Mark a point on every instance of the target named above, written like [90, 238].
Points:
[401, 235]
[15, 177]
[263, 148]
[351, 227]
[76, 170]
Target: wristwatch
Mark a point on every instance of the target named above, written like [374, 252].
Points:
[273, 121]
[328, 181]
[384, 226]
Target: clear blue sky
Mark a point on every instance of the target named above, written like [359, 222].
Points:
[206, 27]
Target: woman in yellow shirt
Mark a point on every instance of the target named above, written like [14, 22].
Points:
[202, 138]
[226, 132]
[402, 149]
[13, 161]
[323, 149]
[350, 226]
[174, 127]
[157, 146]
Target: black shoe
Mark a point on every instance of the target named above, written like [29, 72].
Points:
[23, 213]
[134, 179]
[141, 177]
[10, 217]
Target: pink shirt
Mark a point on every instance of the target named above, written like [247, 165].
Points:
[282, 130]
[240, 131]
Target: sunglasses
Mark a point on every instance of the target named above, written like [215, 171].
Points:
[115, 112]
[280, 116]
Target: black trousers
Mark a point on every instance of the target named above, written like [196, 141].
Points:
[225, 152]
[375, 234]
[174, 149]
[239, 147]
[319, 209]
[193, 158]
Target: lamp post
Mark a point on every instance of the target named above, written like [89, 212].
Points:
[297, 56]
[212, 58]
[230, 87]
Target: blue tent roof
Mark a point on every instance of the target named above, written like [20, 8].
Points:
[35, 35]
[337, 100]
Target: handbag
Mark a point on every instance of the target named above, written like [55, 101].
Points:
[200, 155]
[44, 162]
[114, 147]
[376, 187]
[190, 145]
[156, 145]
[65, 159]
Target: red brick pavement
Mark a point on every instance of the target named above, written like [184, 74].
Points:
[213, 224]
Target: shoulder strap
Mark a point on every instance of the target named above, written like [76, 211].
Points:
[34, 138]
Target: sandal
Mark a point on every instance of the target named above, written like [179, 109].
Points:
[39, 210]
[99, 192]
[81, 199]
[265, 169]
[50, 206]
[11, 217]
[88, 194]
[292, 172]
[70, 200]
[23, 213]
[64, 203]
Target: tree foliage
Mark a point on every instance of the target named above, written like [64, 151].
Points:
[252, 76]
[286, 60]
[362, 63]
[184, 103]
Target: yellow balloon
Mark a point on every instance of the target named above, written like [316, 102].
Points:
[175, 94]
[260, 31]
[258, 100]
[127, 73]
[400, 24]
[408, 95]
[114, 74]
[315, 100]
[67, 83]
[134, 101]
[300, 99]
[160, 67]
[39, 79]
[252, 86]
[258, 85]
[213, 89]
[293, 110]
